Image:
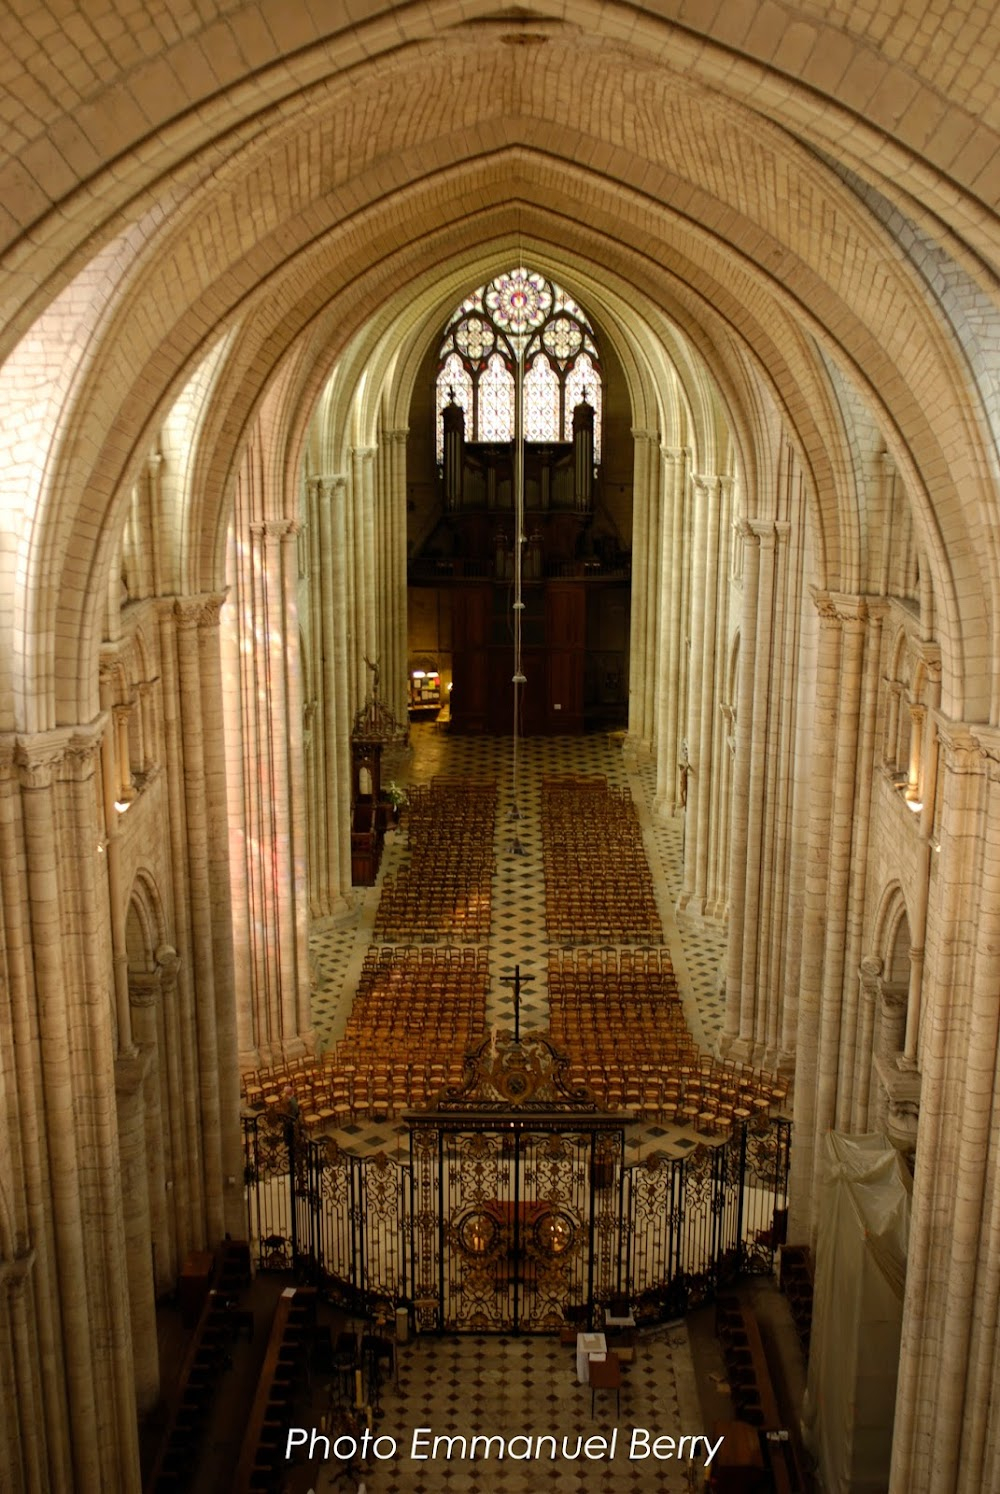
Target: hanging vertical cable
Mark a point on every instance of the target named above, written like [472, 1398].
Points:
[519, 680]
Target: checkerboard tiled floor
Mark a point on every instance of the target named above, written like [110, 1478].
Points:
[512, 1386]
[518, 931]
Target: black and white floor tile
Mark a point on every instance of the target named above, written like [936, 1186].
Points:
[510, 1387]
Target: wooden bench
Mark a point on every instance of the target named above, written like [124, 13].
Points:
[753, 1393]
[207, 1355]
[796, 1275]
[262, 1453]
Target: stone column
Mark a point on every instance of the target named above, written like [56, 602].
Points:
[840, 851]
[654, 506]
[330, 723]
[948, 1361]
[869, 981]
[737, 1011]
[669, 653]
[363, 627]
[23, 1436]
[779, 838]
[146, 994]
[336, 681]
[111, 790]
[703, 705]
[181, 1095]
[324, 886]
[720, 814]
[225, 1077]
[130, 1075]
[853, 1057]
[271, 919]
[976, 1243]
[822, 781]
[758, 581]
[300, 1034]
[75, 1202]
[396, 693]
[924, 788]
[206, 870]
[189, 617]
[639, 639]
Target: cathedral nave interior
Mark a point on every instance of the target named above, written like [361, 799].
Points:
[270, 272]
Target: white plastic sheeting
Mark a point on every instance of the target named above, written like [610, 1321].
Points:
[864, 1220]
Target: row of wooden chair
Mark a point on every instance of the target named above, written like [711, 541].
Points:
[400, 956]
[601, 962]
[444, 889]
[634, 1052]
[331, 1096]
[597, 881]
[414, 1015]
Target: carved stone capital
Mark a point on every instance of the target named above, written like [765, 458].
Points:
[839, 607]
[144, 987]
[274, 529]
[707, 483]
[66, 753]
[870, 973]
[892, 999]
[14, 1273]
[826, 607]
[852, 608]
[764, 530]
[902, 1123]
[198, 612]
[961, 750]
[988, 738]
[38, 766]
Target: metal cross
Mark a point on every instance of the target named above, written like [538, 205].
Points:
[517, 980]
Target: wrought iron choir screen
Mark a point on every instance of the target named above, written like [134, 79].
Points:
[514, 1201]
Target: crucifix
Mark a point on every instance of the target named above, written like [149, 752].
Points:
[517, 980]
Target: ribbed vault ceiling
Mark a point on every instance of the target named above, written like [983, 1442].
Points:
[320, 197]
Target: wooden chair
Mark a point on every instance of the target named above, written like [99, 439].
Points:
[606, 1374]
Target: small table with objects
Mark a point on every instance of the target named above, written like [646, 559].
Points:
[587, 1344]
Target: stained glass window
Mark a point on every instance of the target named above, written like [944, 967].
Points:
[455, 383]
[541, 401]
[519, 315]
[518, 301]
[583, 383]
[563, 338]
[475, 339]
[496, 402]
